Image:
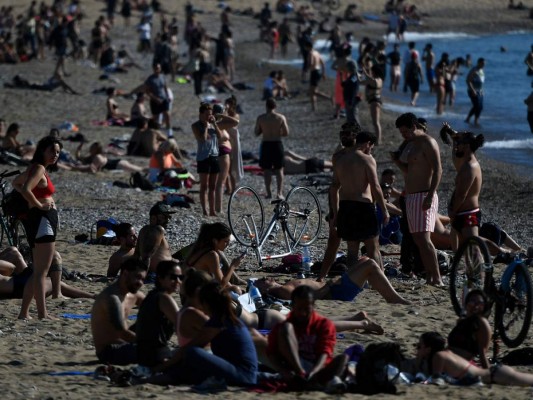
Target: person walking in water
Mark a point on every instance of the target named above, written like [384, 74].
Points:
[475, 81]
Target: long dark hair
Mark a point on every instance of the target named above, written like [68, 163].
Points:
[42, 145]
[194, 279]
[214, 296]
[208, 233]
[436, 342]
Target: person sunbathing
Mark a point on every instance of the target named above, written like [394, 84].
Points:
[344, 288]
[297, 164]
[96, 161]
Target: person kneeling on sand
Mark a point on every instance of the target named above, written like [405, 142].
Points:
[302, 346]
[114, 340]
[344, 288]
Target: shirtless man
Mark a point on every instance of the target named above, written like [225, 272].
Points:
[422, 171]
[114, 342]
[353, 191]
[296, 164]
[152, 245]
[428, 56]
[273, 126]
[128, 239]
[344, 288]
[464, 205]
[144, 140]
[317, 70]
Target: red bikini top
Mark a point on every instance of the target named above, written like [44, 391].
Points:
[44, 192]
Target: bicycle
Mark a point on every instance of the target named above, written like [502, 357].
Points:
[298, 216]
[511, 293]
[11, 227]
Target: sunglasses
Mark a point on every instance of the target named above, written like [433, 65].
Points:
[176, 277]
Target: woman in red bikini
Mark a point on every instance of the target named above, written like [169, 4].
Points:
[37, 188]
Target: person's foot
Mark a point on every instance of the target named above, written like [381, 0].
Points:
[360, 316]
[24, 317]
[372, 327]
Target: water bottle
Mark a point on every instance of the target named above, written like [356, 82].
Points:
[255, 295]
[306, 260]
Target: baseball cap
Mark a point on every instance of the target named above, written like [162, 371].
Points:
[161, 208]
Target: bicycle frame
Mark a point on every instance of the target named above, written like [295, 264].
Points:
[281, 211]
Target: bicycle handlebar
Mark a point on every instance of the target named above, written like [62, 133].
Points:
[7, 174]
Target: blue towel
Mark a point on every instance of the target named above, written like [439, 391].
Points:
[87, 316]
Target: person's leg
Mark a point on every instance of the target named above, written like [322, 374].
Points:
[454, 239]
[7, 268]
[12, 255]
[204, 180]
[55, 274]
[479, 108]
[359, 321]
[505, 375]
[334, 368]
[368, 270]
[429, 257]
[72, 292]
[224, 162]
[312, 96]
[372, 250]
[212, 182]
[473, 100]
[331, 251]
[127, 166]
[42, 256]
[353, 253]
[288, 348]
[375, 112]
[279, 182]
[267, 176]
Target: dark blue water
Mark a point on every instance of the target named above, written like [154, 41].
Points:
[503, 121]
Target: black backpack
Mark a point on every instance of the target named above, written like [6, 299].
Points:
[372, 375]
[137, 180]
[15, 204]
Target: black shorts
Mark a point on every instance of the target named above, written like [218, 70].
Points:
[315, 77]
[112, 165]
[357, 221]
[41, 226]
[157, 108]
[414, 86]
[314, 165]
[208, 166]
[19, 282]
[466, 219]
[119, 354]
[271, 155]
[491, 231]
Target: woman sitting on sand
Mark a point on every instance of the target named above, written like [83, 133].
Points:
[114, 116]
[96, 161]
[11, 144]
[204, 255]
[441, 363]
[164, 160]
[471, 336]
[233, 357]
[157, 317]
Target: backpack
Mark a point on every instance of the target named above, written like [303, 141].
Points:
[137, 180]
[372, 368]
[15, 205]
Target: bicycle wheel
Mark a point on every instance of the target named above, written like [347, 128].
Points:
[514, 314]
[468, 271]
[304, 216]
[246, 216]
[20, 239]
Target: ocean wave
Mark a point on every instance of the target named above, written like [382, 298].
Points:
[510, 144]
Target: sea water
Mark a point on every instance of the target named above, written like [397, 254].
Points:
[503, 120]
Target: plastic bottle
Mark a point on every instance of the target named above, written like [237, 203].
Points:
[255, 295]
[306, 259]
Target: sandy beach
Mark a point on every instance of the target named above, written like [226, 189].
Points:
[34, 349]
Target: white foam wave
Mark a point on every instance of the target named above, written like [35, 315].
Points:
[510, 144]
[273, 61]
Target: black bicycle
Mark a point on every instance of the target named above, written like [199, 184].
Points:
[510, 292]
[12, 231]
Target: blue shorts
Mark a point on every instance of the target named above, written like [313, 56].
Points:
[346, 290]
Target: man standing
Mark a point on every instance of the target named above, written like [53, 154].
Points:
[302, 346]
[428, 56]
[463, 209]
[128, 239]
[353, 191]
[152, 245]
[114, 342]
[273, 126]
[317, 73]
[422, 170]
[475, 80]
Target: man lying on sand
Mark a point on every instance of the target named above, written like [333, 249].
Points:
[344, 288]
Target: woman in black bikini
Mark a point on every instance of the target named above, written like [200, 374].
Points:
[373, 80]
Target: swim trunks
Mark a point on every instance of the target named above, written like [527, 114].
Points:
[118, 354]
[111, 165]
[346, 290]
[315, 77]
[421, 220]
[357, 221]
[314, 165]
[466, 219]
[271, 155]
[41, 226]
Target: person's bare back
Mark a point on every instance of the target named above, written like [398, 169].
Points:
[272, 125]
[152, 246]
[351, 169]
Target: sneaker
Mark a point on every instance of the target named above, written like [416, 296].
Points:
[210, 385]
[335, 386]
